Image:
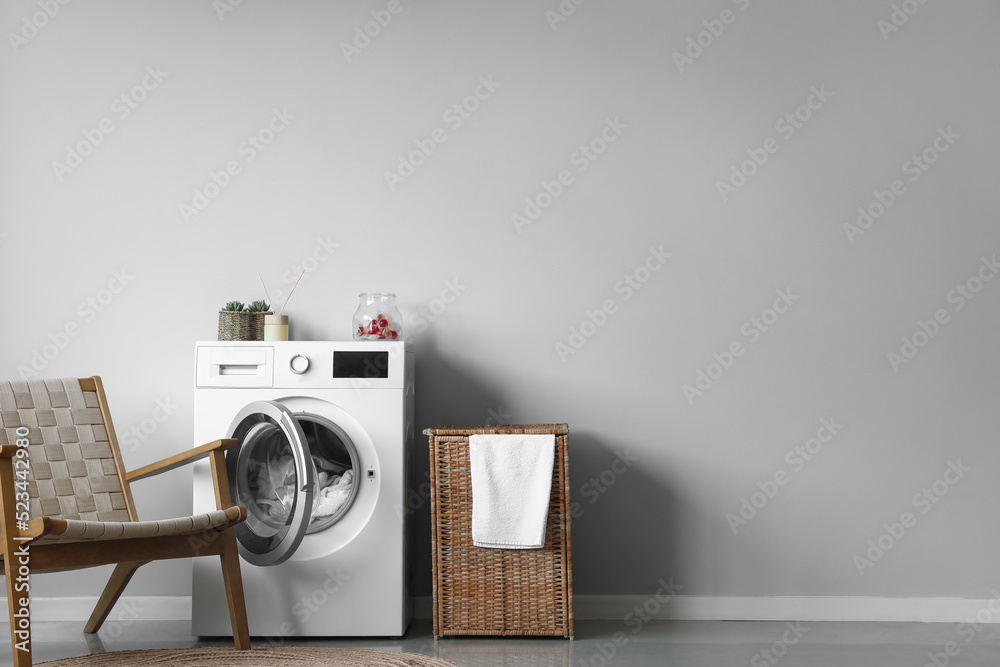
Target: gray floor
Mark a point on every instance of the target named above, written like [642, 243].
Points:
[600, 643]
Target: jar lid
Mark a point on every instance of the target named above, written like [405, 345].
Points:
[378, 294]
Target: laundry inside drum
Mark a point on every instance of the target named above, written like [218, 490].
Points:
[335, 460]
[271, 478]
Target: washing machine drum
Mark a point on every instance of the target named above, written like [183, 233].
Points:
[296, 473]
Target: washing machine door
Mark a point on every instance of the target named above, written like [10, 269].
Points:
[272, 474]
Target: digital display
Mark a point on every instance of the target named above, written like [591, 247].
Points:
[370, 365]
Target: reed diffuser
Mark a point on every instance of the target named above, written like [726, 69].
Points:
[276, 326]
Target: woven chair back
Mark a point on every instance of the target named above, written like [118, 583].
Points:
[74, 472]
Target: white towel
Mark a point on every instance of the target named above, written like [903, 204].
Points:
[511, 481]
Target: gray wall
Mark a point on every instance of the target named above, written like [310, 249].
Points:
[673, 130]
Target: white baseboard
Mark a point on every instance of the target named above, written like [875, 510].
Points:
[614, 607]
[725, 608]
[134, 607]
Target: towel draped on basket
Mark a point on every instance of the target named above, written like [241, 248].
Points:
[511, 484]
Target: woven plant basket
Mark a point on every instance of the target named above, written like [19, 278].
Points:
[234, 325]
[257, 325]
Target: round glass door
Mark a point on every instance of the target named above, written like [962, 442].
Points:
[296, 473]
[272, 474]
[336, 462]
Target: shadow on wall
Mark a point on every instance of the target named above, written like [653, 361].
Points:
[445, 394]
[622, 518]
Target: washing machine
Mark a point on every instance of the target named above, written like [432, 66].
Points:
[325, 430]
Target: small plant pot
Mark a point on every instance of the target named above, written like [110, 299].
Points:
[234, 325]
[257, 325]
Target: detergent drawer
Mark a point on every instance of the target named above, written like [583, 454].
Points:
[228, 366]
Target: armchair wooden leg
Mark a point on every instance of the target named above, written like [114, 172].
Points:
[119, 580]
[16, 564]
[20, 626]
[233, 579]
[230, 557]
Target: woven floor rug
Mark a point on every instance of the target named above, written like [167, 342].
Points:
[227, 657]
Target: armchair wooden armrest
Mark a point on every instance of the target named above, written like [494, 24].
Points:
[39, 527]
[178, 460]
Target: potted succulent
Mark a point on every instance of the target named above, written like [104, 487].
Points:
[234, 322]
[257, 310]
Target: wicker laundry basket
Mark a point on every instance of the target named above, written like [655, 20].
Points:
[506, 592]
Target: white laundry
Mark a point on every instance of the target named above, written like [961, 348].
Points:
[334, 495]
[273, 484]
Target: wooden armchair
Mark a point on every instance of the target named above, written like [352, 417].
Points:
[65, 502]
